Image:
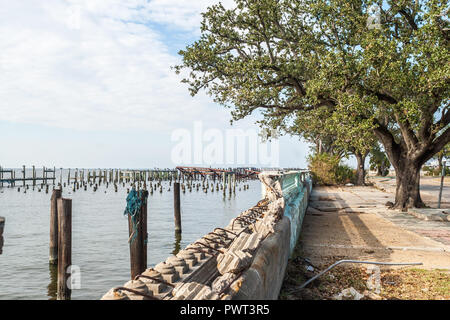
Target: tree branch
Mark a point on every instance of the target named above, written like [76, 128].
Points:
[409, 18]
[437, 145]
[392, 148]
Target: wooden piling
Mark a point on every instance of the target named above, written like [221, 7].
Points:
[53, 257]
[144, 197]
[34, 175]
[64, 247]
[223, 182]
[23, 175]
[138, 246]
[44, 177]
[234, 183]
[176, 205]
[2, 225]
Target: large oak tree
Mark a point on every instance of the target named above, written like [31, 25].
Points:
[383, 64]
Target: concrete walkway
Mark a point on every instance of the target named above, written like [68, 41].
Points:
[353, 223]
[429, 188]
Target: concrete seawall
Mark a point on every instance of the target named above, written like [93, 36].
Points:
[245, 260]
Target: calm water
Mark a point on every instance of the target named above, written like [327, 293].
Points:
[100, 234]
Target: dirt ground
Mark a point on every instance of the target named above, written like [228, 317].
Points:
[354, 223]
[399, 283]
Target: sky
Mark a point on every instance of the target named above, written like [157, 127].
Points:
[89, 84]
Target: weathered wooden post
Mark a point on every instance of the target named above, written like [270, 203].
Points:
[442, 184]
[144, 232]
[137, 227]
[223, 182]
[34, 175]
[2, 226]
[53, 257]
[23, 175]
[176, 206]
[64, 247]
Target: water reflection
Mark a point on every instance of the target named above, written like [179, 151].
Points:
[177, 243]
[53, 285]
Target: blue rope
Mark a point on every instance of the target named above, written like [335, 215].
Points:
[135, 201]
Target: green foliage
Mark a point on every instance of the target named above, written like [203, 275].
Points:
[333, 132]
[344, 174]
[327, 169]
[379, 161]
[315, 67]
[430, 171]
[444, 153]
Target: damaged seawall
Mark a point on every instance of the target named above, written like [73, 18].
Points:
[245, 260]
[264, 278]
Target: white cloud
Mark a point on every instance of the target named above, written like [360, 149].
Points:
[99, 65]
[95, 64]
[184, 14]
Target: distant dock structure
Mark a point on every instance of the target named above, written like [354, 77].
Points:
[200, 179]
[9, 176]
[242, 173]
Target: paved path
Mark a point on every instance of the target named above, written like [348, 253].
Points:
[429, 189]
[353, 223]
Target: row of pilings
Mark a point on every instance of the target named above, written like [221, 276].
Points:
[154, 181]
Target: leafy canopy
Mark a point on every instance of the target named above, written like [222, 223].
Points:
[293, 60]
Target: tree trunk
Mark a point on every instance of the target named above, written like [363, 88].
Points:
[408, 152]
[360, 171]
[380, 170]
[407, 172]
[408, 186]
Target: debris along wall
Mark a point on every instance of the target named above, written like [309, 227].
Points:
[245, 260]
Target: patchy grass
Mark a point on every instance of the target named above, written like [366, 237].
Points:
[416, 284]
